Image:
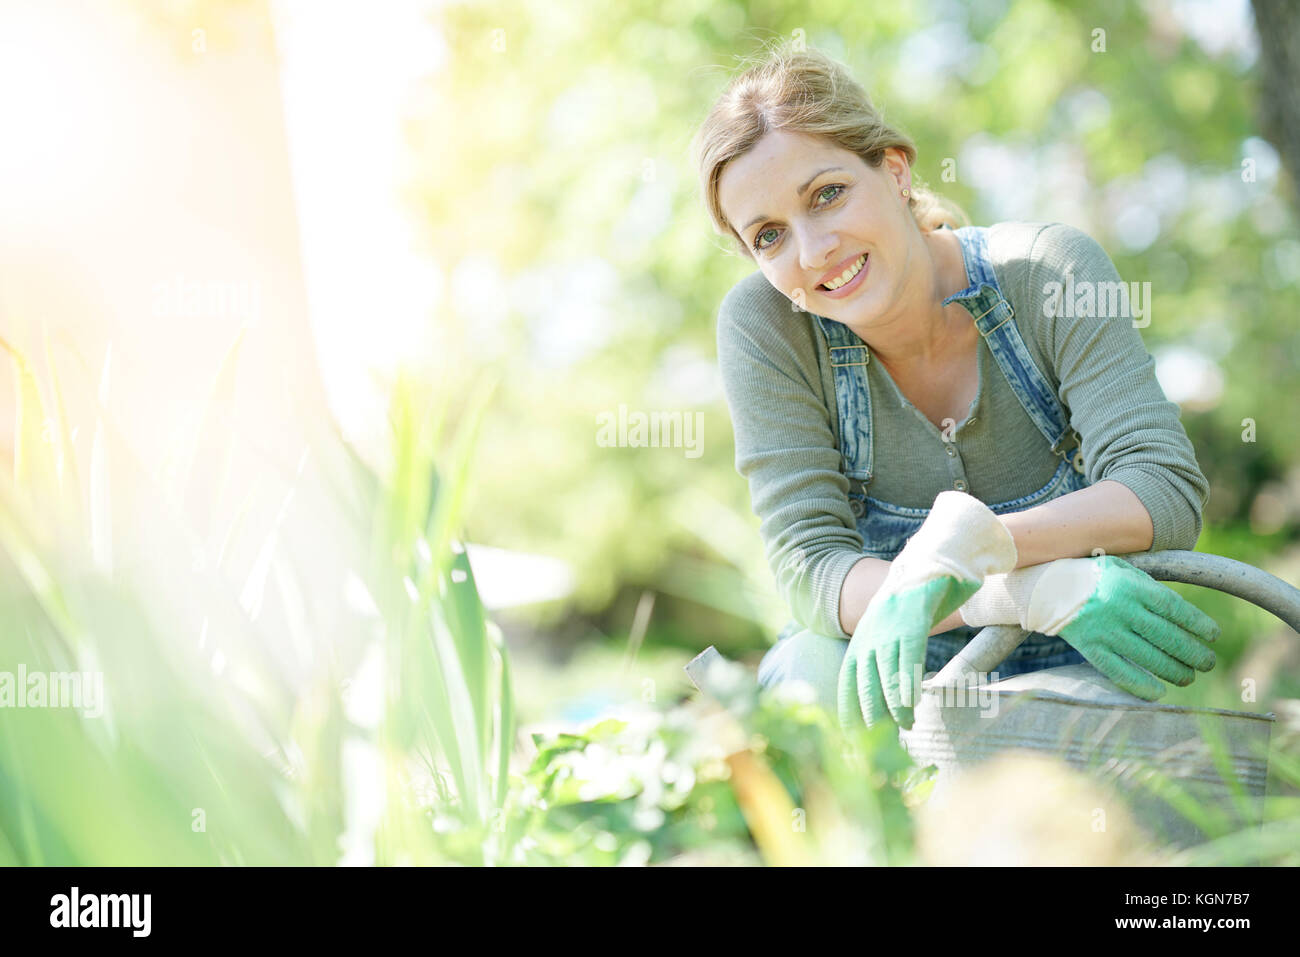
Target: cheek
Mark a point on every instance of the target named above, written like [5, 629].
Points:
[779, 279]
[792, 287]
[776, 280]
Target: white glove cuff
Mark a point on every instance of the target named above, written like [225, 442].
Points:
[962, 537]
[1003, 599]
[1060, 593]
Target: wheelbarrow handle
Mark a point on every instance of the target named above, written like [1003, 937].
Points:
[990, 647]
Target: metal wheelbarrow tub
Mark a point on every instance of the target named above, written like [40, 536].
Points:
[1165, 759]
[1159, 756]
[1172, 763]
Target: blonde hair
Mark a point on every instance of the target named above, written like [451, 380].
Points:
[804, 91]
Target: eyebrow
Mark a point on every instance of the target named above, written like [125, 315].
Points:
[802, 189]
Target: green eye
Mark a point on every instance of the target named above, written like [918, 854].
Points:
[758, 239]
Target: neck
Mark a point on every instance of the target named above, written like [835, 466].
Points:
[918, 329]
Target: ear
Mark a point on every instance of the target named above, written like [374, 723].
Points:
[895, 164]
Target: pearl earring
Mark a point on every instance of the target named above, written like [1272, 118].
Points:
[906, 191]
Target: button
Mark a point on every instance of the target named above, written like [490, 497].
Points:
[959, 485]
[952, 451]
[858, 507]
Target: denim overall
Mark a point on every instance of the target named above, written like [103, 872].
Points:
[885, 527]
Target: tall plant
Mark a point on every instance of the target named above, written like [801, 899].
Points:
[201, 750]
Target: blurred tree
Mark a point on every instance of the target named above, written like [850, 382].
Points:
[1279, 80]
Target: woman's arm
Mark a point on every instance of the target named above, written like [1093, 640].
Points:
[782, 405]
[860, 586]
[1132, 434]
[1106, 516]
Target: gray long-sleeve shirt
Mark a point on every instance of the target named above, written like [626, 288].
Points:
[780, 389]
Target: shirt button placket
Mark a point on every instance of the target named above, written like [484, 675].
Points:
[959, 481]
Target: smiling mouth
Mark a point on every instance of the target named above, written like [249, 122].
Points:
[853, 273]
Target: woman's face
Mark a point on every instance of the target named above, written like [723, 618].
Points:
[809, 211]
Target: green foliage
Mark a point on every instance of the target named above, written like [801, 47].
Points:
[203, 752]
[185, 730]
[759, 778]
[203, 748]
[624, 792]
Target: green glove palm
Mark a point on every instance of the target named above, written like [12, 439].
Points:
[1118, 617]
[940, 567]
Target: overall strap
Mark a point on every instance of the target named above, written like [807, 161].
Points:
[993, 317]
[849, 358]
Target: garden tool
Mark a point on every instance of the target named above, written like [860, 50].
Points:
[1184, 770]
[1187, 772]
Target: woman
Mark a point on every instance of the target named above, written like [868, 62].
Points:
[884, 353]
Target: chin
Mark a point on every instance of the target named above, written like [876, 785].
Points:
[864, 309]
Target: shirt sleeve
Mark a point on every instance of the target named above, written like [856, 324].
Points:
[1130, 431]
[786, 449]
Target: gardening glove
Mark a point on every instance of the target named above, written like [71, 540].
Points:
[942, 565]
[1118, 617]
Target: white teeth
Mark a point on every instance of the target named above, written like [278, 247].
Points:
[847, 274]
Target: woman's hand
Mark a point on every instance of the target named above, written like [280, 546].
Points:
[1118, 617]
[941, 566]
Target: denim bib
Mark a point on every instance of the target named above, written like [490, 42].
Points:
[885, 527]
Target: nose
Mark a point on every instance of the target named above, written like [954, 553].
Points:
[815, 250]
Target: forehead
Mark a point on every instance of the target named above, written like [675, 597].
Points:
[772, 170]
